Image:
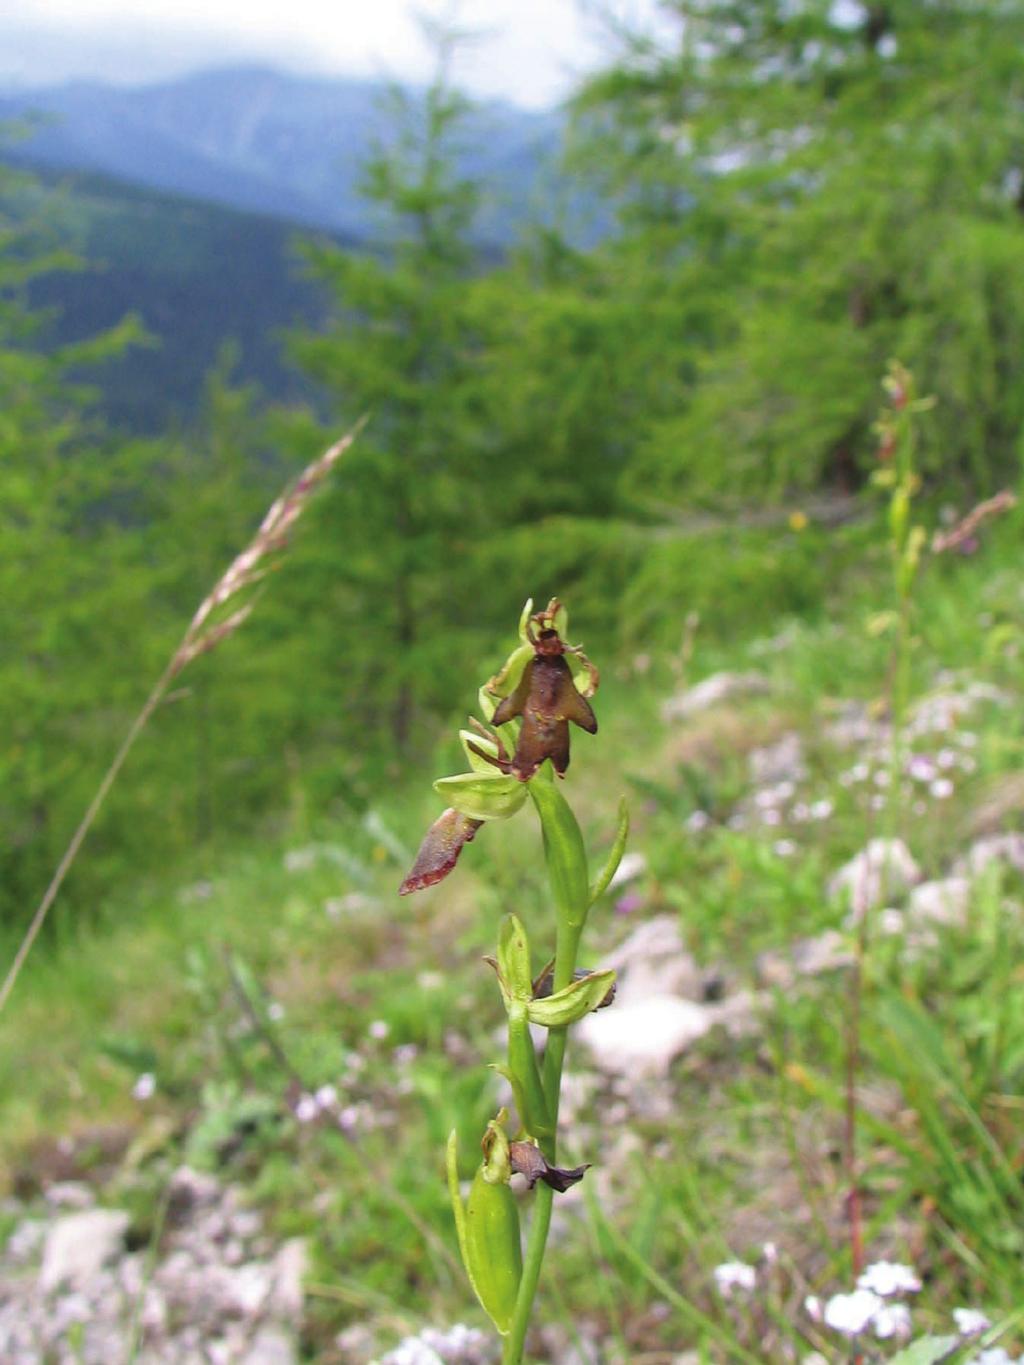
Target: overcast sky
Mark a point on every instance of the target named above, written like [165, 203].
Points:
[528, 50]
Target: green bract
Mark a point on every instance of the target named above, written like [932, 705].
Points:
[483, 796]
[514, 959]
[601, 882]
[569, 1005]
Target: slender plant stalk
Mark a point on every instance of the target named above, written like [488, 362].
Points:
[202, 635]
[566, 950]
[78, 838]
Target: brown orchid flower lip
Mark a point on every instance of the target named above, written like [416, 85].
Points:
[440, 849]
[530, 1161]
[546, 698]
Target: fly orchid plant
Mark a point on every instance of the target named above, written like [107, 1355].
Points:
[544, 685]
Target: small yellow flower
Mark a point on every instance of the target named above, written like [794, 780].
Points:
[798, 521]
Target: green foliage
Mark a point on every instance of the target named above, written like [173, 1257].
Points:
[819, 188]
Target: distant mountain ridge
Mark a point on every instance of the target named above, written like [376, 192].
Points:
[266, 142]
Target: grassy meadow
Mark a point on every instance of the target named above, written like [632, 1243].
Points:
[268, 971]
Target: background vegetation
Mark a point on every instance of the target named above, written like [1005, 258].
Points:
[670, 423]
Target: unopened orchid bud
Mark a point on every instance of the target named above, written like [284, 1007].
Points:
[488, 1226]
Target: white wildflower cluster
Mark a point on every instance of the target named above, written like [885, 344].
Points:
[326, 1102]
[874, 1305]
[144, 1087]
[459, 1345]
[733, 1276]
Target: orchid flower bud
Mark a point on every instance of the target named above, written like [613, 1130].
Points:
[488, 1225]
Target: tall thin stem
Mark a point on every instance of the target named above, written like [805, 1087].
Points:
[572, 911]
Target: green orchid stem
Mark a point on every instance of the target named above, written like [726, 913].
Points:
[567, 868]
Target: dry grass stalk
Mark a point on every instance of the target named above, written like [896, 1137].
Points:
[201, 637]
[963, 533]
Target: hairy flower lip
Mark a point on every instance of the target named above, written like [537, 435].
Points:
[530, 1161]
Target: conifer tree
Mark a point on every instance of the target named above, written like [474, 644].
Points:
[823, 185]
[401, 351]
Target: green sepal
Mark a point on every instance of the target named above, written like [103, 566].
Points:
[514, 959]
[488, 704]
[482, 796]
[570, 1004]
[603, 879]
[564, 852]
[506, 680]
[524, 620]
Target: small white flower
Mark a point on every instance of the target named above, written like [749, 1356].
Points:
[275, 1011]
[852, 1313]
[813, 1308]
[326, 1097]
[379, 1029]
[735, 1275]
[348, 1119]
[995, 1355]
[920, 767]
[698, 820]
[801, 812]
[144, 1087]
[886, 1278]
[784, 848]
[821, 810]
[970, 1321]
[405, 1053]
[882, 778]
[892, 1321]
[772, 817]
[946, 758]
[941, 788]
[770, 1252]
[306, 1108]
[859, 772]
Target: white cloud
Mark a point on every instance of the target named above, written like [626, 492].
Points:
[527, 51]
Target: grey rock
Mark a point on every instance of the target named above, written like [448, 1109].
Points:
[942, 710]
[357, 1344]
[271, 1345]
[720, 687]
[939, 902]
[288, 1271]
[80, 1245]
[882, 871]
[643, 1038]
[997, 848]
[191, 1189]
[70, 1194]
[26, 1240]
[779, 762]
[781, 968]
[653, 961]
